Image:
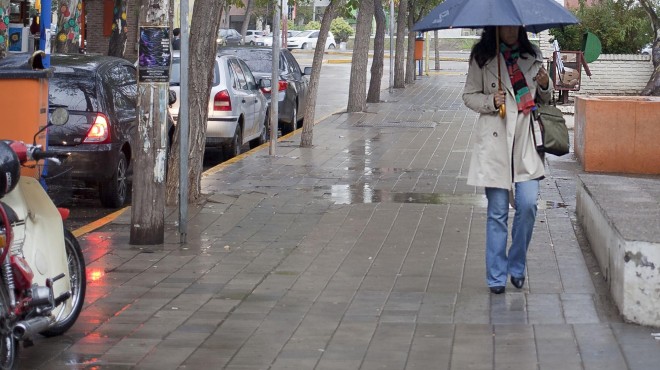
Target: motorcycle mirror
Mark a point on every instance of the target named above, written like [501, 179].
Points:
[59, 117]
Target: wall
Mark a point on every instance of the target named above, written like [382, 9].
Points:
[96, 42]
[617, 74]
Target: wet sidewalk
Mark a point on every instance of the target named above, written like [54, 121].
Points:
[363, 252]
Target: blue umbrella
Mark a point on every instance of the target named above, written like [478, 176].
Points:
[534, 15]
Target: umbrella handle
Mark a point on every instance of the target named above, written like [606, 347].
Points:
[502, 109]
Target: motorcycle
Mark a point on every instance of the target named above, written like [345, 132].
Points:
[42, 267]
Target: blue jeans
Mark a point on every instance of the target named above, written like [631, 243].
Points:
[498, 264]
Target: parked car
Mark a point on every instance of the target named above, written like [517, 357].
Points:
[254, 36]
[100, 93]
[268, 40]
[292, 87]
[237, 108]
[229, 36]
[307, 40]
[647, 49]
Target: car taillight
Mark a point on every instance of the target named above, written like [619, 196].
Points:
[282, 85]
[99, 133]
[222, 101]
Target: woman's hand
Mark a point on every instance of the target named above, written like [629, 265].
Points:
[499, 98]
[542, 78]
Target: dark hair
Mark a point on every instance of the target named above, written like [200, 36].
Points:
[486, 48]
[176, 32]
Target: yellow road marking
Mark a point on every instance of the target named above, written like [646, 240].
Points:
[98, 223]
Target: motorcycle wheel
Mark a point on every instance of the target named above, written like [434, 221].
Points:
[8, 352]
[78, 278]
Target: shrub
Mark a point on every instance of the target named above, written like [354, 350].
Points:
[341, 30]
[313, 25]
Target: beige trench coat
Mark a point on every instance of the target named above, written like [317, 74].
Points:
[499, 140]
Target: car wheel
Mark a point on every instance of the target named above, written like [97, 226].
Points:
[252, 43]
[234, 147]
[263, 137]
[331, 46]
[113, 193]
[304, 46]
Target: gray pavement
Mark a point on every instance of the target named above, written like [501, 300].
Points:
[363, 252]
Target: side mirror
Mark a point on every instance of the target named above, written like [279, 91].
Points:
[172, 97]
[307, 71]
[59, 117]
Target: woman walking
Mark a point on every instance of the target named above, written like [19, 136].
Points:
[504, 159]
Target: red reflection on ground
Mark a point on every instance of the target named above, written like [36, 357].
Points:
[95, 274]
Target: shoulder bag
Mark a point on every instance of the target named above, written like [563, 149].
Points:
[553, 136]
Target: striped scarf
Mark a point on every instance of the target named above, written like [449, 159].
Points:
[524, 98]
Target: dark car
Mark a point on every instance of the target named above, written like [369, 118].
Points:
[229, 36]
[292, 87]
[100, 93]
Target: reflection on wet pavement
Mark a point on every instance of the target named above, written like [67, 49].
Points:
[364, 193]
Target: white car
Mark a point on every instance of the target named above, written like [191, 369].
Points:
[254, 36]
[237, 109]
[307, 40]
[268, 40]
[647, 49]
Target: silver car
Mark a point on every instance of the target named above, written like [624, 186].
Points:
[237, 107]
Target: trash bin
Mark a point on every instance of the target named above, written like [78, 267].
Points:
[23, 98]
[419, 48]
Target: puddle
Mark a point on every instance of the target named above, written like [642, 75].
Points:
[353, 194]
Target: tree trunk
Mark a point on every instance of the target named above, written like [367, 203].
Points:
[246, 20]
[4, 31]
[118, 38]
[379, 54]
[399, 71]
[205, 21]
[68, 34]
[653, 86]
[357, 89]
[310, 110]
[410, 61]
[436, 44]
[150, 143]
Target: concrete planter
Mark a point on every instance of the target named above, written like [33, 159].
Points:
[618, 134]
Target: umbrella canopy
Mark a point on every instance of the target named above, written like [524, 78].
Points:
[534, 15]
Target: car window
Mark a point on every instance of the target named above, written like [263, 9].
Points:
[314, 35]
[259, 61]
[293, 64]
[241, 82]
[175, 73]
[73, 90]
[123, 87]
[251, 83]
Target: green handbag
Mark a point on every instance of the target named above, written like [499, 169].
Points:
[553, 130]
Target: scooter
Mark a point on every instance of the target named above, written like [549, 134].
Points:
[42, 267]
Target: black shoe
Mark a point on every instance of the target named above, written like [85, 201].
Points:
[497, 289]
[518, 282]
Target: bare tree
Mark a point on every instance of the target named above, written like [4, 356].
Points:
[373, 96]
[246, 20]
[399, 72]
[436, 46]
[4, 31]
[119, 30]
[357, 89]
[653, 86]
[310, 110]
[410, 61]
[205, 22]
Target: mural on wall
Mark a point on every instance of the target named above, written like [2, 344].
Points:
[119, 30]
[68, 26]
[4, 27]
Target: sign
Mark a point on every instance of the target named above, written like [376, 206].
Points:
[154, 54]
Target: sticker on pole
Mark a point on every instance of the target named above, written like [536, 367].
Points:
[154, 54]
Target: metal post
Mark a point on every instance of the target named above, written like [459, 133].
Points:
[44, 30]
[426, 48]
[275, 79]
[184, 125]
[391, 48]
